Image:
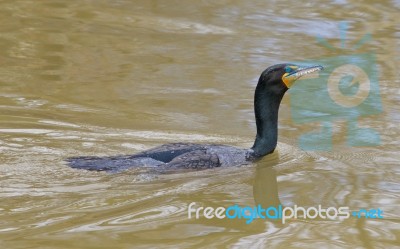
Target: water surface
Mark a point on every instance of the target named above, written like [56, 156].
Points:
[115, 77]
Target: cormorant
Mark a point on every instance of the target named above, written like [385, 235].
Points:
[272, 85]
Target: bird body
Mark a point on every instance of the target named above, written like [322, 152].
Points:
[170, 157]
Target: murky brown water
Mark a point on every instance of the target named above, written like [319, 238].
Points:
[116, 77]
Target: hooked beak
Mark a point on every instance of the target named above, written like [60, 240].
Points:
[290, 78]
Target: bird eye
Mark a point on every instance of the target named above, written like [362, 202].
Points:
[288, 69]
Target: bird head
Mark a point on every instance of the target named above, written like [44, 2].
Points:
[279, 78]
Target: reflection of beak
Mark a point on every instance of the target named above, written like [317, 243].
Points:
[290, 78]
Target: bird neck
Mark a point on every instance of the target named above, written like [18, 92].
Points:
[266, 107]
